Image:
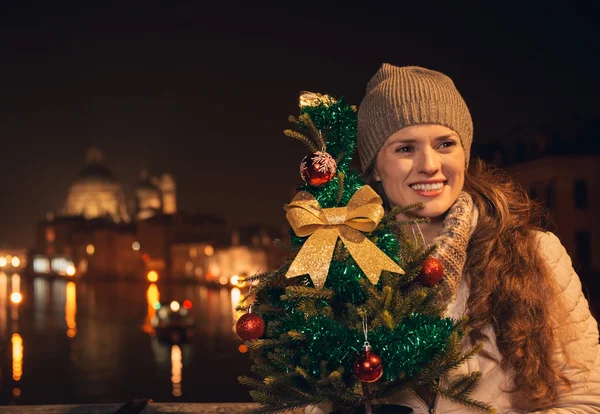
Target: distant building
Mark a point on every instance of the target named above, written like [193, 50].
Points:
[98, 246]
[158, 234]
[154, 196]
[250, 250]
[103, 239]
[569, 186]
[96, 193]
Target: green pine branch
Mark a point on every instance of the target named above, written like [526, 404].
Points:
[302, 292]
[465, 400]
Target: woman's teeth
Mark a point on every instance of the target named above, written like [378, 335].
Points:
[427, 187]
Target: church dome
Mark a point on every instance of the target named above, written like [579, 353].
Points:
[96, 192]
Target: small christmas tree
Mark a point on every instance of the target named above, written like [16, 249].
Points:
[354, 315]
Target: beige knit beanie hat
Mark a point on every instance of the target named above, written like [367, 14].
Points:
[398, 97]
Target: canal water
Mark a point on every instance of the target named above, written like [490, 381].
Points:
[70, 342]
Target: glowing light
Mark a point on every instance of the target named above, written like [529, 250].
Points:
[223, 280]
[163, 313]
[16, 297]
[17, 355]
[2, 261]
[71, 309]
[153, 299]
[175, 306]
[237, 281]
[146, 257]
[15, 261]
[153, 296]
[187, 304]
[152, 276]
[59, 264]
[90, 249]
[135, 246]
[41, 265]
[243, 348]
[17, 392]
[209, 250]
[214, 271]
[70, 270]
[176, 368]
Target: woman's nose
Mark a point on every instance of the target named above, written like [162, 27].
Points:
[428, 162]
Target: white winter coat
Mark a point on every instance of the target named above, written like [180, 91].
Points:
[582, 328]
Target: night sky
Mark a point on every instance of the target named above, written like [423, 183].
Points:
[203, 91]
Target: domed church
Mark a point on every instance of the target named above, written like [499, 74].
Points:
[96, 192]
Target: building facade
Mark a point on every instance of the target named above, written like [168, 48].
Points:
[568, 187]
[104, 239]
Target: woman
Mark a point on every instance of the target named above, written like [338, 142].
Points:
[515, 282]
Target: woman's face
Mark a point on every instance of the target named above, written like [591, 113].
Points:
[423, 163]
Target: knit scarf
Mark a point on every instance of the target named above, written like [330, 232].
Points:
[452, 242]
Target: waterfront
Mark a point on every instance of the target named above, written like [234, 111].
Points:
[74, 342]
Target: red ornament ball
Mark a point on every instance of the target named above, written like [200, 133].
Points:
[250, 326]
[318, 168]
[431, 272]
[368, 367]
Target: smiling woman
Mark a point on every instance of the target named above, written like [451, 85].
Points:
[422, 163]
[513, 281]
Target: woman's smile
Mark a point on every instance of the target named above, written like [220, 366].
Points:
[429, 188]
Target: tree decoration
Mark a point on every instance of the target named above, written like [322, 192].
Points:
[325, 226]
[431, 272]
[368, 368]
[250, 326]
[318, 168]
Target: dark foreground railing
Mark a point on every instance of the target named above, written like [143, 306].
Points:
[135, 407]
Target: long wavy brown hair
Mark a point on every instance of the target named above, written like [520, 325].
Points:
[511, 287]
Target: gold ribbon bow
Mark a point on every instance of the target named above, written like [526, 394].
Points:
[363, 213]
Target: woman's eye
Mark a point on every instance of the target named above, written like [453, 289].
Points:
[405, 149]
[448, 144]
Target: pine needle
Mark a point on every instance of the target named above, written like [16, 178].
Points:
[318, 137]
[340, 188]
[302, 292]
[302, 138]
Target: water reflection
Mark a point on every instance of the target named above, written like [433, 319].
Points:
[152, 299]
[71, 310]
[93, 343]
[176, 368]
[16, 283]
[3, 296]
[17, 357]
[236, 294]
